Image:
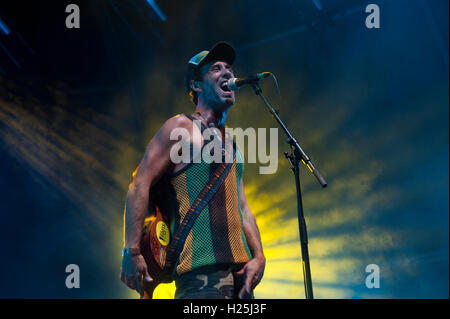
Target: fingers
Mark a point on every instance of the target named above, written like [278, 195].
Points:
[256, 281]
[133, 274]
[131, 282]
[242, 271]
[244, 293]
[247, 285]
[146, 276]
[251, 280]
[241, 293]
[138, 281]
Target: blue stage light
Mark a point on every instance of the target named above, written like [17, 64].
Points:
[318, 4]
[4, 28]
[157, 10]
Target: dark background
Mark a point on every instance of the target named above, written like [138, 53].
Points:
[370, 106]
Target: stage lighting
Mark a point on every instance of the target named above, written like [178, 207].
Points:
[157, 10]
[4, 28]
[318, 4]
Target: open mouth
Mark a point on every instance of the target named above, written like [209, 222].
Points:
[224, 87]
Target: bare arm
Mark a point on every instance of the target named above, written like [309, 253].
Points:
[155, 161]
[254, 269]
[154, 164]
[151, 167]
[251, 230]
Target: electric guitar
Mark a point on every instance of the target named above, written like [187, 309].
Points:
[154, 242]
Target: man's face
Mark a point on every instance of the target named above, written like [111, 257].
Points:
[214, 74]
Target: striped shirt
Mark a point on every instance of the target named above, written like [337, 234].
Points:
[217, 236]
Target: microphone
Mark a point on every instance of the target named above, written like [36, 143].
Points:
[234, 84]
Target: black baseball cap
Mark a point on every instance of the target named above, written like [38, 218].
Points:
[221, 51]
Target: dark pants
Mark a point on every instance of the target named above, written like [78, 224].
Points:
[210, 282]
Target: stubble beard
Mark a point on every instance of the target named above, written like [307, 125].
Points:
[218, 104]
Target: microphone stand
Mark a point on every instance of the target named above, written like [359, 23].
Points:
[294, 157]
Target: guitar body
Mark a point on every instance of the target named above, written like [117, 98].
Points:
[154, 242]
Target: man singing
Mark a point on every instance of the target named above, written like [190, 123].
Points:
[222, 255]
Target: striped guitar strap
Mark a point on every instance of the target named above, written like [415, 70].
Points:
[176, 246]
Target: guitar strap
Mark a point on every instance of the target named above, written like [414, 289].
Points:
[176, 245]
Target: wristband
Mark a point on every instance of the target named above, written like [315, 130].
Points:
[131, 251]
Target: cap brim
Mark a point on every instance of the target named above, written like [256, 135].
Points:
[222, 51]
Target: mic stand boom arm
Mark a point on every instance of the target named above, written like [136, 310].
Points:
[297, 155]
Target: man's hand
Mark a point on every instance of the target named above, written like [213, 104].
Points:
[134, 272]
[252, 272]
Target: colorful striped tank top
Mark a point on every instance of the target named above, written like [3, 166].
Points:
[217, 236]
